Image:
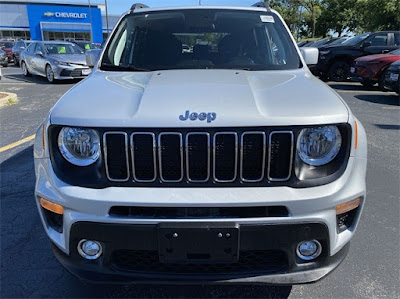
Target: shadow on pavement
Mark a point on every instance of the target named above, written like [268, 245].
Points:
[385, 99]
[37, 79]
[29, 269]
[356, 87]
[388, 127]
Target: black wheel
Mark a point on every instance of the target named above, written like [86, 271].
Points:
[381, 81]
[5, 64]
[25, 69]
[16, 62]
[49, 74]
[339, 71]
[368, 83]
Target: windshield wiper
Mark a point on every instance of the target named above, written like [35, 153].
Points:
[113, 67]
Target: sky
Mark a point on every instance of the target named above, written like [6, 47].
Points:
[118, 7]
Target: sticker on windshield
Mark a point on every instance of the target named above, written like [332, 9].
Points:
[267, 19]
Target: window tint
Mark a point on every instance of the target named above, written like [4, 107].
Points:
[378, 40]
[201, 39]
[31, 48]
[397, 39]
[40, 48]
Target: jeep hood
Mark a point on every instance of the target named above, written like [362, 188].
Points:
[238, 98]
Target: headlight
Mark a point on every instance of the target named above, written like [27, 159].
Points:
[56, 62]
[324, 52]
[79, 146]
[319, 146]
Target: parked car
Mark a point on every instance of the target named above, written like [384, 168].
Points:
[371, 69]
[55, 60]
[392, 81]
[229, 163]
[86, 45]
[3, 58]
[7, 45]
[335, 61]
[18, 48]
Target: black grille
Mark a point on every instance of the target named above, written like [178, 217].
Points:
[199, 157]
[198, 212]
[170, 155]
[225, 157]
[280, 155]
[144, 157]
[116, 155]
[253, 148]
[74, 73]
[262, 261]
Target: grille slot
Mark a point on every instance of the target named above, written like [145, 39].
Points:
[143, 151]
[280, 155]
[116, 156]
[225, 156]
[252, 154]
[198, 157]
[138, 212]
[170, 155]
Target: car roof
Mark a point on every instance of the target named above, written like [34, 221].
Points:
[54, 42]
[249, 8]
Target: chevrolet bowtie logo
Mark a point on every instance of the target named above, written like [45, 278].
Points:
[49, 14]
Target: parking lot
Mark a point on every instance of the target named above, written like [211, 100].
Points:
[28, 268]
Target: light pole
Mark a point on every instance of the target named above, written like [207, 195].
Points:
[105, 2]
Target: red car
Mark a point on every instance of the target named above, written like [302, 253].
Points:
[371, 69]
[7, 45]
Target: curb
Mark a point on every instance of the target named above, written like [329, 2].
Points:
[5, 101]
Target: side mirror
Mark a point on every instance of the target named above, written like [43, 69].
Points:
[310, 55]
[39, 53]
[92, 56]
[366, 44]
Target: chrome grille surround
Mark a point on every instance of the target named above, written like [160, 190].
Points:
[160, 156]
[269, 156]
[208, 156]
[106, 158]
[214, 156]
[135, 178]
[242, 153]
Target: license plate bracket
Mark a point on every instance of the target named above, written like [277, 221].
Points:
[198, 243]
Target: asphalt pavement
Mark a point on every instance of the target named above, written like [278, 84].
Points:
[28, 268]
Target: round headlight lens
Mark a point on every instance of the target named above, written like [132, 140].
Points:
[79, 146]
[319, 146]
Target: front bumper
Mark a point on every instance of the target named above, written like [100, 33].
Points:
[62, 72]
[311, 215]
[267, 255]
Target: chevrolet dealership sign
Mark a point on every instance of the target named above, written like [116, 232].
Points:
[67, 15]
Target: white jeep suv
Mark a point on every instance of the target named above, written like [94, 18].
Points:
[229, 161]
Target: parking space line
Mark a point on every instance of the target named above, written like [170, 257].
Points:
[15, 144]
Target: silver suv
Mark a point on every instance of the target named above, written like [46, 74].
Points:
[201, 149]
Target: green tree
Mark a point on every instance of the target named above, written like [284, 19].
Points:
[313, 8]
[375, 15]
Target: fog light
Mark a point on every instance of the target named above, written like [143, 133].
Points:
[89, 250]
[308, 250]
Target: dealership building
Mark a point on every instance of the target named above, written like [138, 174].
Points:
[54, 20]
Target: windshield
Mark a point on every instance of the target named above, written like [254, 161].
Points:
[355, 39]
[6, 45]
[62, 49]
[200, 39]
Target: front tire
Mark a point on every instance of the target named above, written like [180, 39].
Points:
[49, 74]
[16, 61]
[368, 83]
[381, 81]
[25, 69]
[339, 71]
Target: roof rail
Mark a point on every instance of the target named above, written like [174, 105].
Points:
[261, 4]
[138, 6]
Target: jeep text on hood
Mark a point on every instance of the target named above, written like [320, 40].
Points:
[201, 149]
